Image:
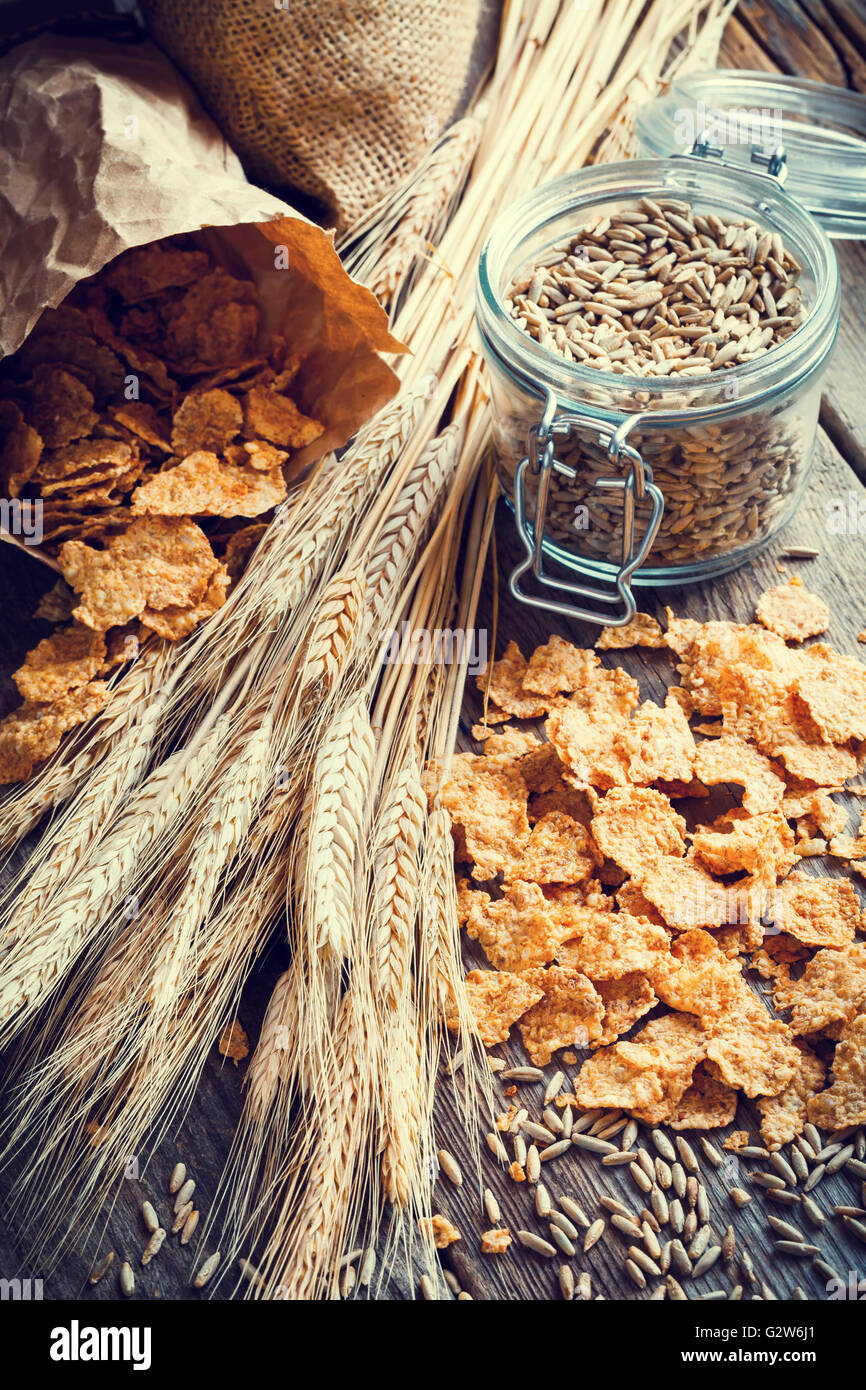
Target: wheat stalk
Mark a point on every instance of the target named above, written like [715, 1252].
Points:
[57, 780]
[419, 210]
[48, 943]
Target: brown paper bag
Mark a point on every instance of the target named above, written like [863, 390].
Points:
[104, 148]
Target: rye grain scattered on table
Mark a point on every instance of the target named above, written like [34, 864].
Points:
[206, 1271]
[101, 1268]
[154, 1245]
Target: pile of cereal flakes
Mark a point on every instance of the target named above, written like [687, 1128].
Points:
[600, 904]
[149, 424]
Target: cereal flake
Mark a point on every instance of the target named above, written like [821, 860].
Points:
[569, 1015]
[792, 612]
[496, 1000]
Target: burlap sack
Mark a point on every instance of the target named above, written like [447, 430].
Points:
[338, 98]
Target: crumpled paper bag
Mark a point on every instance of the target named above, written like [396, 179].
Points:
[104, 147]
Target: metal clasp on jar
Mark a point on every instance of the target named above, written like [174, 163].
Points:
[636, 485]
[773, 159]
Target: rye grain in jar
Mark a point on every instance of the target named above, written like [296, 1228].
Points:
[693, 307]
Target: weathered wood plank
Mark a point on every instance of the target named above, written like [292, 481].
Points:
[521, 1274]
[850, 18]
[842, 401]
[792, 39]
[850, 49]
[739, 49]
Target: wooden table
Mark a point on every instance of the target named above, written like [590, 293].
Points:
[825, 41]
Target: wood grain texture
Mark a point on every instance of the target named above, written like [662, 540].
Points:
[823, 40]
[795, 42]
[525, 1275]
[845, 39]
[739, 49]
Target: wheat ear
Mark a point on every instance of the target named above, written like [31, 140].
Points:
[277, 1037]
[292, 1068]
[395, 887]
[440, 942]
[343, 493]
[89, 1066]
[333, 631]
[413, 511]
[334, 842]
[99, 1022]
[72, 837]
[227, 820]
[384, 262]
[401, 1107]
[301, 542]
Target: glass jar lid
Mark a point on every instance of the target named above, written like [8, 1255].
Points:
[810, 135]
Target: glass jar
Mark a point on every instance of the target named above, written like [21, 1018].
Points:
[623, 480]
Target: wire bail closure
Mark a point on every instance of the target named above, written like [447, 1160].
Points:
[774, 160]
[636, 485]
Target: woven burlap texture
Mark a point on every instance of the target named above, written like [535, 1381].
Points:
[337, 98]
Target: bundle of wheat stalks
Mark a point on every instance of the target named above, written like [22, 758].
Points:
[270, 769]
